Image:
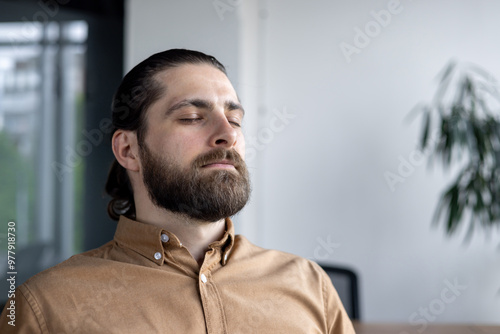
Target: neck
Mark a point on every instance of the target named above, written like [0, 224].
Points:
[195, 235]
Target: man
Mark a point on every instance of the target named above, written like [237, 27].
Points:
[175, 265]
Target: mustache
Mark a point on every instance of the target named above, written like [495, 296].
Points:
[218, 155]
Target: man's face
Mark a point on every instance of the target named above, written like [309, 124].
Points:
[192, 154]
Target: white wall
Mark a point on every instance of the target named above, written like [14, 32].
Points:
[320, 177]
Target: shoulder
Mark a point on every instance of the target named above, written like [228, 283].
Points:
[51, 293]
[294, 281]
[76, 268]
[301, 278]
[277, 261]
[242, 244]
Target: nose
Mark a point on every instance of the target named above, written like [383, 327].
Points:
[224, 134]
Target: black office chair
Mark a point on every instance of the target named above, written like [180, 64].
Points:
[346, 283]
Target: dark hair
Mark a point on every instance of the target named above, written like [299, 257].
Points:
[137, 91]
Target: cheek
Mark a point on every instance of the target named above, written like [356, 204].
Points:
[186, 148]
[170, 146]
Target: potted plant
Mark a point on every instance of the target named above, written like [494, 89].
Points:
[461, 128]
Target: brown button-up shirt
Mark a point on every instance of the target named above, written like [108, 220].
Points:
[145, 281]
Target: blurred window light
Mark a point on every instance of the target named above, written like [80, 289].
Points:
[21, 32]
[76, 31]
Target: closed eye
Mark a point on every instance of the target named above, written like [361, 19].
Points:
[190, 120]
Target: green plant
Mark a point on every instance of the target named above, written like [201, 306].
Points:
[465, 115]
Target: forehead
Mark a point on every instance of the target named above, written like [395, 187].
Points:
[198, 79]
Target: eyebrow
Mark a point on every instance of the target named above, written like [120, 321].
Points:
[204, 104]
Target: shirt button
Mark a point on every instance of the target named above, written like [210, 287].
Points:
[203, 278]
[164, 238]
[157, 255]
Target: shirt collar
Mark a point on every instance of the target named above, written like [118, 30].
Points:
[226, 242]
[146, 239]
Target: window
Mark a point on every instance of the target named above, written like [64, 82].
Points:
[42, 80]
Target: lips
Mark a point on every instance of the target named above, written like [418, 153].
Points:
[219, 158]
[221, 164]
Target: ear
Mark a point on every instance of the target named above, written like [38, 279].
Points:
[125, 149]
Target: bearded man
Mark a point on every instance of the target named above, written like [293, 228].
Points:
[175, 264]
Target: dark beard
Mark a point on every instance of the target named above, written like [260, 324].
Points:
[203, 195]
